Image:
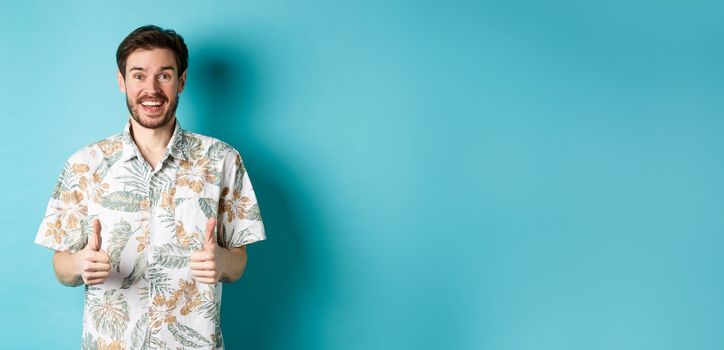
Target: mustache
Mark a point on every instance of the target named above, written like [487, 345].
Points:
[158, 96]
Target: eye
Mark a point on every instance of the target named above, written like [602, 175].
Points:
[164, 76]
[137, 76]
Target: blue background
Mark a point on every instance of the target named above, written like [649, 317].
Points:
[458, 175]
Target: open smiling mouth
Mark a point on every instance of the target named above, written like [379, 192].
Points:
[152, 106]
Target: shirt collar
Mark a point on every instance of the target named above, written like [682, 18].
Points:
[176, 145]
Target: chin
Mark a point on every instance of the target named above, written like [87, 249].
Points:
[152, 122]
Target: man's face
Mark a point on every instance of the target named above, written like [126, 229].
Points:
[152, 85]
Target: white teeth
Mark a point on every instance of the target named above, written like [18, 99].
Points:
[151, 103]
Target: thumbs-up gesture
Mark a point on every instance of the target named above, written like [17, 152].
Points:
[92, 263]
[204, 263]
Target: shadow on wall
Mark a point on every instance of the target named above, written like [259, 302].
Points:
[257, 310]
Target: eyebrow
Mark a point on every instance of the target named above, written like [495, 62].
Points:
[143, 69]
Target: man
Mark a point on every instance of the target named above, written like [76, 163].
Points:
[150, 220]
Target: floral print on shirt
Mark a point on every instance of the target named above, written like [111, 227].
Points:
[152, 220]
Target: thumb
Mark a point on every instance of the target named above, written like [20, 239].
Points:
[94, 240]
[210, 236]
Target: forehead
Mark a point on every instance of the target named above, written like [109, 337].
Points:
[153, 59]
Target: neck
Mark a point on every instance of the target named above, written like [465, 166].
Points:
[152, 140]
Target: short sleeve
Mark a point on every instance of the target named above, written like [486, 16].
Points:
[240, 221]
[64, 226]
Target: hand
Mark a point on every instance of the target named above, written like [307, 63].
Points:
[204, 263]
[92, 263]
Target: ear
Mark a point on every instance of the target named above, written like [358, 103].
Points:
[121, 82]
[182, 82]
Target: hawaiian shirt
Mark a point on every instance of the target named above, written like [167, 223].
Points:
[152, 220]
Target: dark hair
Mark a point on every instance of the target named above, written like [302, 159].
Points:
[153, 37]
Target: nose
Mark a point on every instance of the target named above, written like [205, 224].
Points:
[152, 86]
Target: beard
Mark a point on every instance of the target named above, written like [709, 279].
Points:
[152, 124]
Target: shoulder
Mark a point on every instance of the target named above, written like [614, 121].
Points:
[213, 148]
[91, 154]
